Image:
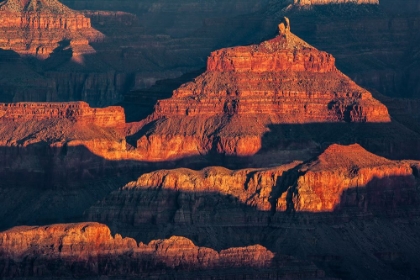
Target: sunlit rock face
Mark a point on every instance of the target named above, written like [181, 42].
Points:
[246, 89]
[89, 249]
[348, 176]
[342, 177]
[37, 28]
[327, 2]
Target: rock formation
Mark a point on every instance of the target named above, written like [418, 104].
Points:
[37, 137]
[90, 249]
[39, 27]
[79, 112]
[60, 124]
[348, 176]
[246, 89]
[342, 178]
[328, 2]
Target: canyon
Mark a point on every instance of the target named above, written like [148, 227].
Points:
[269, 163]
[255, 98]
[311, 210]
[139, 50]
[329, 2]
[328, 203]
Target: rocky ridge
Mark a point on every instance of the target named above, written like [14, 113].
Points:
[328, 2]
[74, 111]
[89, 249]
[348, 176]
[342, 178]
[229, 108]
[346, 193]
[39, 27]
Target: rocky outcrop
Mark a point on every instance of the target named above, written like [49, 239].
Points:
[90, 249]
[79, 112]
[341, 178]
[39, 27]
[328, 2]
[348, 176]
[228, 109]
[58, 141]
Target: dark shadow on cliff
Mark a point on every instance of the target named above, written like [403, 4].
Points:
[72, 185]
[41, 184]
[392, 140]
[368, 216]
[60, 55]
[139, 104]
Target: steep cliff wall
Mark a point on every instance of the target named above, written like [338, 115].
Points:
[328, 2]
[77, 112]
[38, 27]
[348, 177]
[342, 177]
[89, 249]
[229, 108]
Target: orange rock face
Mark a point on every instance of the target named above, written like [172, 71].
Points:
[38, 27]
[252, 187]
[74, 111]
[89, 249]
[348, 176]
[246, 89]
[328, 2]
[59, 126]
[343, 177]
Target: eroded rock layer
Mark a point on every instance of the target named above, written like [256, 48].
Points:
[39, 27]
[342, 178]
[74, 111]
[246, 89]
[348, 176]
[328, 2]
[90, 249]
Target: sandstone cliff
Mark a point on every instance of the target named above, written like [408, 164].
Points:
[58, 142]
[328, 2]
[38, 27]
[342, 178]
[76, 112]
[348, 177]
[314, 210]
[89, 249]
[229, 108]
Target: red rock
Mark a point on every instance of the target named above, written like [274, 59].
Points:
[89, 248]
[79, 112]
[38, 27]
[342, 177]
[229, 108]
[348, 176]
[328, 2]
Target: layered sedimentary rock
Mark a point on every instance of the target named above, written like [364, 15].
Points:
[76, 112]
[342, 177]
[346, 193]
[60, 124]
[90, 249]
[228, 109]
[47, 144]
[39, 27]
[348, 176]
[328, 2]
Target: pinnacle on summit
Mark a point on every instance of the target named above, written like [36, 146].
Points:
[246, 89]
[284, 26]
